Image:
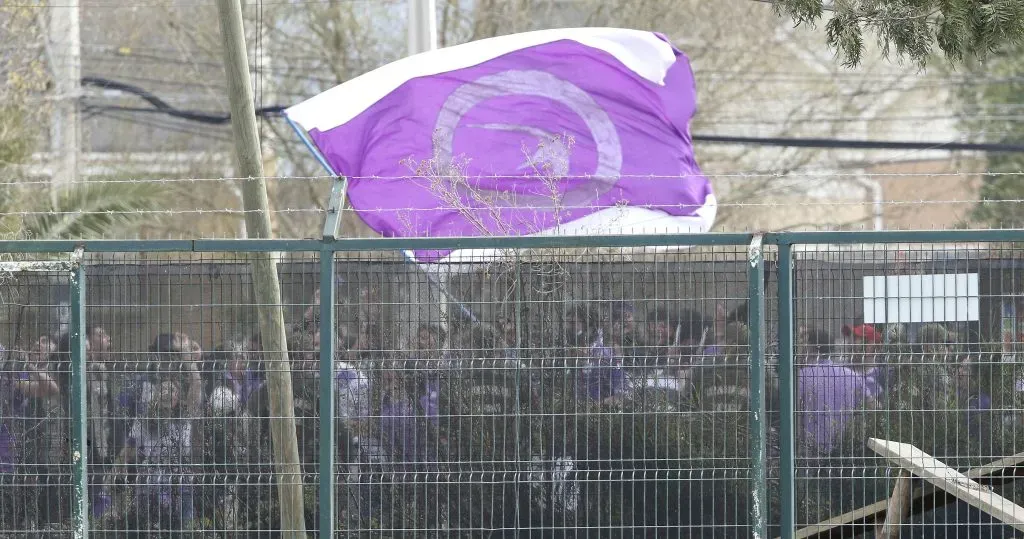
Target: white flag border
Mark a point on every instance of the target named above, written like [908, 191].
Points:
[641, 51]
[609, 221]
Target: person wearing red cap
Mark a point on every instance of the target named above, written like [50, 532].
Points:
[863, 332]
[864, 344]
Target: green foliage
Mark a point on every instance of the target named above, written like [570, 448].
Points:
[91, 210]
[912, 29]
[15, 147]
[86, 210]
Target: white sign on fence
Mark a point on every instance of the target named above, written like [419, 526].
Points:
[951, 297]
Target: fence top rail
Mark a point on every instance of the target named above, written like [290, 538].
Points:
[375, 244]
[509, 242]
[847, 237]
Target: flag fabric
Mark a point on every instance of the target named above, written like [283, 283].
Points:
[567, 131]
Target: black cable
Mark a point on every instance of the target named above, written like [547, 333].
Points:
[159, 105]
[827, 143]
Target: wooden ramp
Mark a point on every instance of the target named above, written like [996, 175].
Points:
[934, 471]
[924, 499]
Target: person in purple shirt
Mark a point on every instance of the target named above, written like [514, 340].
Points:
[410, 394]
[406, 392]
[231, 367]
[160, 444]
[830, 393]
[601, 376]
[390, 412]
[407, 401]
[829, 396]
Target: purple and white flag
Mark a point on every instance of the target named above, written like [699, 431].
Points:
[567, 131]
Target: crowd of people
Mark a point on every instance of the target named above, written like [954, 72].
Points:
[476, 429]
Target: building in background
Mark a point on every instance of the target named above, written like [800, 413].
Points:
[756, 76]
[806, 93]
[124, 137]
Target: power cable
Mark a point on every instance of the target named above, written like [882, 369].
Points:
[160, 106]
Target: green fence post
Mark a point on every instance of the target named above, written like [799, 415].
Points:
[335, 205]
[79, 422]
[326, 325]
[518, 298]
[758, 414]
[332, 225]
[787, 387]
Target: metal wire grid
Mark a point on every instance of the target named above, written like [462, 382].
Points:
[177, 422]
[190, 416]
[948, 387]
[552, 414]
[537, 405]
[520, 435]
[35, 470]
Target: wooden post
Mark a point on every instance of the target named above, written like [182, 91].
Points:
[898, 508]
[921, 499]
[266, 287]
[964, 488]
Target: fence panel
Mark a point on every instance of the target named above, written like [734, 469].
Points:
[552, 413]
[36, 421]
[527, 397]
[178, 410]
[902, 342]
[571, 389]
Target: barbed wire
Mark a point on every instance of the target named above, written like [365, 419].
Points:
[820, 175]
[748, 174]
[225, 211]
[18, 183]
[502, 207]
[130, 54]
[180, 3]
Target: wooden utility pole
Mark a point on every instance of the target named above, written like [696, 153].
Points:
[264, 271]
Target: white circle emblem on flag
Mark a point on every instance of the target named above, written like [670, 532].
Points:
[534, 83]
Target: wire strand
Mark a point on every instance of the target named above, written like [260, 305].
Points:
[754, 174]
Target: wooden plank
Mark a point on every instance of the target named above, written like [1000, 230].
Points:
[994, 467]
[898, 509]
[865, 515]
[871, 513]
[937, 473]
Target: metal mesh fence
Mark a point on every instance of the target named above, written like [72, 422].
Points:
[35, 466]
[909, 343]
[574, 395]
[583, 392]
